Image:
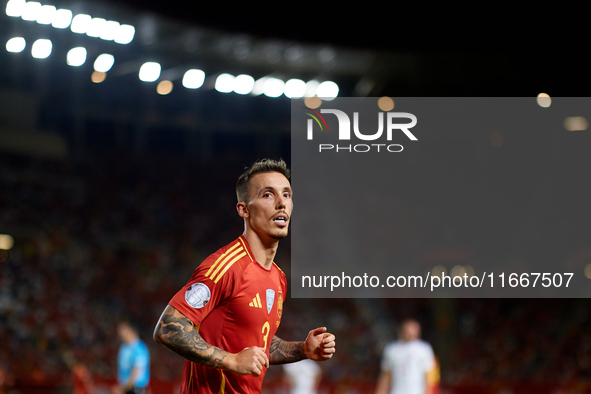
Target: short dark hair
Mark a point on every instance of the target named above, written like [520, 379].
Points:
[261, 166]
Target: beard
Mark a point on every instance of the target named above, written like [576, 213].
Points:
[278, 235]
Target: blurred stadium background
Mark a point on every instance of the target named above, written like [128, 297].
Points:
[112, 188]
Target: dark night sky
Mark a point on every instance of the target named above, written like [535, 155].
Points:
[461, 52]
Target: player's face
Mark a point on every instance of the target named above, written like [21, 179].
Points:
[410, 331]
[268, 210]
[124, 333]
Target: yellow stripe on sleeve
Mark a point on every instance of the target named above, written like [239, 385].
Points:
[221, 257]
[235, 259]
[224, 261]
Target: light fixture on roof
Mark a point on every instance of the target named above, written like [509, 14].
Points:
[80, 23]
[45, 14]
[41, 48]
[193, 79]
[544, 100]
[149, 72]
[109, 30]
[6, 241]
[224, 83]
[295, 88]
[16, 44]
[76, 56]
[95, 27]
[327, 90]
[61, 18]
[273, 87]
[31, 11]
[15, 8]
[164, 87]
[311, 87]
[104, 62]
[243, 84]
[125, 34]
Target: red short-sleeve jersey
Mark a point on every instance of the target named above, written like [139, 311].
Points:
[234, 303]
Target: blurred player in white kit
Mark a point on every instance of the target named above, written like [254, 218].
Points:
[303, 376]
[406, 363]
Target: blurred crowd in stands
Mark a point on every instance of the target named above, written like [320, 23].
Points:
[115, 238]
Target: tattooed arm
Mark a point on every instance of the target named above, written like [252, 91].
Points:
[177, 333]
[318, 346]
[283, 352]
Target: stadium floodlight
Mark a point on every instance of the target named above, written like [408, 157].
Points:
[311, 87]
[124, 34]
[80, 23]
[273, 87]
[243, 84]
[95, 27]
[15, 8]
[6, 241]
[149, 72]
[41, 48]
[62, 18]
[259, 86]
[327, 90]
[98, 77]
[31, 11]
[544, 100]
[193, 79]
[576, 123]
[104, 62]
[16, 44]
[109, 30]
[45, 15]
[164, 87]
[224, 83]
[76, 56]
[295, 88]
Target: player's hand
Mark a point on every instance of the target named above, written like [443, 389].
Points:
[319, 345]
[251, 360]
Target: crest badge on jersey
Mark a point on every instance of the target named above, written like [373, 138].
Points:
[270, 299]
[279, 304]
[197, 295]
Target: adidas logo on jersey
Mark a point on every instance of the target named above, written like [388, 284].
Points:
[256, 302]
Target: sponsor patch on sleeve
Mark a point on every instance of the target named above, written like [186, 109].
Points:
[197, 295]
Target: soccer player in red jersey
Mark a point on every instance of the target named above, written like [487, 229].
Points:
[223, 322]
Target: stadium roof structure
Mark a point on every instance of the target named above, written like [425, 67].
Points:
[366, 52]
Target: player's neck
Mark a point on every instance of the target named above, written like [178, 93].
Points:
[263, 250]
